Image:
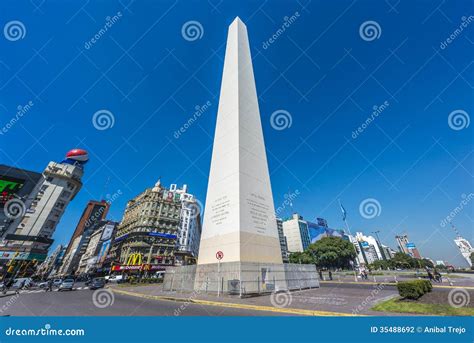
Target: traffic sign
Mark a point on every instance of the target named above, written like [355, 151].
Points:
[219, 255]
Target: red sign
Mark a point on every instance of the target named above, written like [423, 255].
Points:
[219, 255]
[145, 267]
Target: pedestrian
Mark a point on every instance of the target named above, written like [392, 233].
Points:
[4, 286]
[330, 275]
[50, 286]
[8, 285]
[20, 286]
[437, 276]
[320, 274]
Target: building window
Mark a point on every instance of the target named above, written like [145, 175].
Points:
[60, 205]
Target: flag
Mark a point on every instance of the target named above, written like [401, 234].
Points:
[344, 213]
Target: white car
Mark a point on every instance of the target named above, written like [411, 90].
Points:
[67, 284]
[43, 284]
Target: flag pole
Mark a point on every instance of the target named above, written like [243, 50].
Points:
[344, 218]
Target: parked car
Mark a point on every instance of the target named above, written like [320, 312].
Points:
[57, 282]
[22, 282]
[67, 284]
[97, 283]
[43, 284]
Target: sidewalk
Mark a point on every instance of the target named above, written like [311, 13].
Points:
[324, 301]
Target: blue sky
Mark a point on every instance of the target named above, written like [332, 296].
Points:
[320, 70]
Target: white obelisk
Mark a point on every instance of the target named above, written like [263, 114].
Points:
[239, 218]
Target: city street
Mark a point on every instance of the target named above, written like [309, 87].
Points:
[79, 303]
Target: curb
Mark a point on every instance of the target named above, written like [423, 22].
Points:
[239, 306]
[389, 284]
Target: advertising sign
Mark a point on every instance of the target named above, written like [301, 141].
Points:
[7, 255]
[103, 251]
[162, 235]
[410, 245]
[108, 231]
[8, 188]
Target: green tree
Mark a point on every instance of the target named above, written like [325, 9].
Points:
[379, 264]
[404, 261]
[472, 260]
[301, 258]
[426, 263]
[332, 252]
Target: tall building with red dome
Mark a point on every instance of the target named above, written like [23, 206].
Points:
[34, 218]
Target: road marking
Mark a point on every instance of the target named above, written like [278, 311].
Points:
[239, 306]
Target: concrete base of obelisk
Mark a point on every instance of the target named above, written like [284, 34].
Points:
[241, 278]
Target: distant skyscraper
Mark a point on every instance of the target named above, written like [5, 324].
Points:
[465, 248]
[407, 247]
[189, 234]
[296, 233]
[368, 251]
[283, 242]
[91, 218]
[31, 233]
[97, 247]
[52, 263]
[94, 212]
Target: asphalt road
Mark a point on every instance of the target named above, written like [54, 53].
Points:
[79, 302]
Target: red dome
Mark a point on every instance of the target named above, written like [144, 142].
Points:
[78, 155]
